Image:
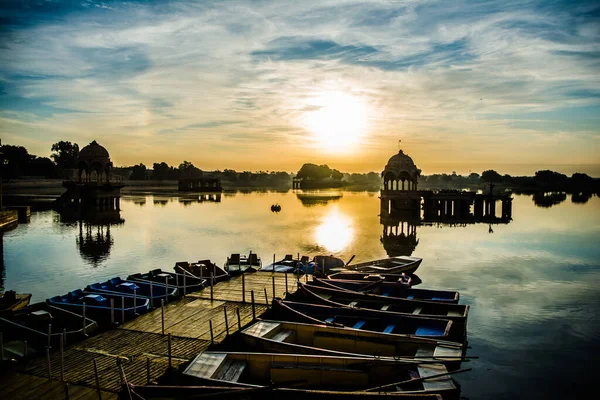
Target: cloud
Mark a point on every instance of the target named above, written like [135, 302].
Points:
[427, 70]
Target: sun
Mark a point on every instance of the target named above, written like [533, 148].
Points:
[338, 120]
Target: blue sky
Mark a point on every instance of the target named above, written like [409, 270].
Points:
[466, 85]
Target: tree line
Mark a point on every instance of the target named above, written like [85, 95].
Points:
[17, 162]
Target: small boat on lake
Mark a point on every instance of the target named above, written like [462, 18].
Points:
[288, 264]
[297, 338]
[457, 313]
[392, 265]
[97, 305]
[203, 269]
[11, 300]
[171, 279]
[117, 286]
[319, 373]
[237, 265]
[367, 320]
[388, 289]
[162, 392]
[373, 276]
[42, 324]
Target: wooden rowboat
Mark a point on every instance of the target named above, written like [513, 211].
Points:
[189, 283]
[388, 289]
[98, 305]
[158, 392]
[237, 265]
[117, 286]
[373, 277]
[392, 265]
[323, 373]
[202, 270]
[457, 313]
[366, 320]
[11, 300]
[296, 338]
[42, 324]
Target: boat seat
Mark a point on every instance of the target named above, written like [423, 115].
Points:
[330, 319]
[385, 307]
[352, 304]
[359, 324]
[231, 370]
[417, 310]
[411, 297]
[389, 328]
[385, 294]
[428, 331]
[282, 335]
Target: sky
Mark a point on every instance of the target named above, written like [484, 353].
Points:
[270, 85]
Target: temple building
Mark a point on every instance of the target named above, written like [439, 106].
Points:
[94, 189]
[400, 182]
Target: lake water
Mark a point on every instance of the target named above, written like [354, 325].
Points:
[533, 284]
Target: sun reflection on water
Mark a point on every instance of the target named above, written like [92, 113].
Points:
[335, 231]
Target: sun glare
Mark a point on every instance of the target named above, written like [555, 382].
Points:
[335, 232]
[339, 121]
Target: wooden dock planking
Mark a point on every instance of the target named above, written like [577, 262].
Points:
[17, 386]
[231, 290]
[189, 319]
[136, 341]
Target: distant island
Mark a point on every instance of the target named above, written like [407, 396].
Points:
[20, 169]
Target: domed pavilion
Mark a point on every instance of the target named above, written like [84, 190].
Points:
[94, 163]
[400, 173]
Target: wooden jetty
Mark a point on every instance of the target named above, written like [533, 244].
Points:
[147, 346]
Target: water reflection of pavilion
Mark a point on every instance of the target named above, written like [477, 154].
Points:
[94, 239]
[403, 207]
[399, 237]
[214, 197]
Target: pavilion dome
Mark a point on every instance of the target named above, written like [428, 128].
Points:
[94, 152]
[401, 165]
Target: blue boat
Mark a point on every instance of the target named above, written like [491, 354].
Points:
[117, 286]
[170, 279]
[98, 306]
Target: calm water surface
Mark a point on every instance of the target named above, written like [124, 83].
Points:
[533, 284]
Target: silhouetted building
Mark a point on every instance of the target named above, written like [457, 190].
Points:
[200, 185]
[400, 181]
[94, 189]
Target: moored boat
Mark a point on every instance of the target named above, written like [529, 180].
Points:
[42, 324]
[388, 289]
[367, 320]
[288, 264]
[321, 373]
[202, 269]
[98, 305]
[11, 300]
[163, 392]
[392, 265]
[117, 286]
[299, 338]
[178, 280]
[373, 276]
[457, 313]
[237, 264]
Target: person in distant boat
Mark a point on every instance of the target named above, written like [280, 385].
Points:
[405, 279]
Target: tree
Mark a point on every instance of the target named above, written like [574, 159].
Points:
[313, 171]
[188, 170]
[65, 154]
[337, 175]
[138, 172]
[41, 166]
[161, 170]
[474, 176]
[16, 160]
[491, 176]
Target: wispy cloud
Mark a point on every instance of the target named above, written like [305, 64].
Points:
[181, 76]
